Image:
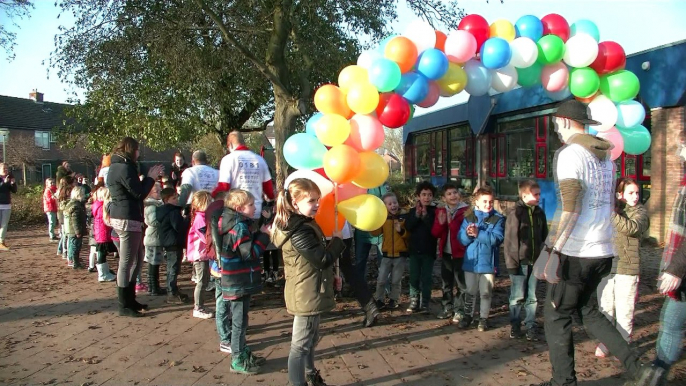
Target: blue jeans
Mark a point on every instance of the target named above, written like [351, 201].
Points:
[362, 249]
[222, 314]
[523, 295]
[52, 223]
[74, 249]
[303, 342]
[672, 323]
[239, 324]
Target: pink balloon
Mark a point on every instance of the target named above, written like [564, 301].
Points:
[350, 190]
[460, 46]
[554, 77]
[366, 133]
[432, 96]
[616, 139]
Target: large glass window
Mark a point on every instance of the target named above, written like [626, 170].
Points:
[422, 155]
[462, 156]
[43, 139]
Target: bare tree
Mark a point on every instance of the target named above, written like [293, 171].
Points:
[393, 150]
[22, 151]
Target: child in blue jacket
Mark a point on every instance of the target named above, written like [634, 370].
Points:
[482, 232]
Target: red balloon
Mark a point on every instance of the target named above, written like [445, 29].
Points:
[393, 110]
[478, 27]
[440, 40]
[611, 58]
[321, 172]
[556, 25]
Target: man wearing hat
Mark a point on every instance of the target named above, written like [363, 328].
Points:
[579, 249]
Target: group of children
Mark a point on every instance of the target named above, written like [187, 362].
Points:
[222, 241]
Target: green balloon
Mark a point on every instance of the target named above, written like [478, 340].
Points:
[551, 49]
[527, 77]
[620, 86]
[636, 139]
[583, 82]
[411, 112]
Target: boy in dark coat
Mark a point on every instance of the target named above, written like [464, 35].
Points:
[172, 230]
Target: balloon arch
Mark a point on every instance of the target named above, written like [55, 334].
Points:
[337, 150]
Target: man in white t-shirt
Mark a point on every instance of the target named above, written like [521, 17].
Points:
[197, 178]
[243, 169]
[579, 249]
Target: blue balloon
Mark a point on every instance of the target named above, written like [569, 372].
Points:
[432, 63]
[592, 132]
[382, 45]
[413, 87]
[529, 26]
[559, 95]
[384, 74]
[309, 126]
[585, 27]
[495, 53]
[303, 151]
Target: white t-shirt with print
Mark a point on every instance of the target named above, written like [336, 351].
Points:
[103, 174]
[200, 177]
[243, 169]
[593, 233]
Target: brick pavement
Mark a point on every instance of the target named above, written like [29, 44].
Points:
[59, 326]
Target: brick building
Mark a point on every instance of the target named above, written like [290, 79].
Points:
[505, 138]
[30, 125]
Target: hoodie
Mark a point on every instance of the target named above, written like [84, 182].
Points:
[586, 178]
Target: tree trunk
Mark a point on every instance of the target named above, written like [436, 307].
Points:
[285, 115]
[23, 166]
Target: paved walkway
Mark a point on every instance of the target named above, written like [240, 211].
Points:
[59, 326]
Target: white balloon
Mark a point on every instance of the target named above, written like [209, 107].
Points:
[604, 111]
[524, 52]
[367, 58]
[422, 35]
[478, 78]
[580, 50]
[325, 185]
[504, 79]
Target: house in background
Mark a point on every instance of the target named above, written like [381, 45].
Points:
[27, 129]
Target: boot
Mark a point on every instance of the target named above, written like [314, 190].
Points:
[104, 273]
[414, 305]
[447, 312]
[132, 298]
[91, 260]
[649, 375]
[371, 313]
[154, 281]
[124, 308]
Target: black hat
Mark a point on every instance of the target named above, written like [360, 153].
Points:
[576, 111]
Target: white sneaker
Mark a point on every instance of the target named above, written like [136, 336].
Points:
[225, 347]
[202, 314]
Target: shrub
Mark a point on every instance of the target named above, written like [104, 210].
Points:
[27, 206]
[405, 193]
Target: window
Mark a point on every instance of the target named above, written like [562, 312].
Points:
[43, 139]
[462, 156]
[422, 155]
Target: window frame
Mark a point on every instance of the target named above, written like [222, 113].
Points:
[45, 136]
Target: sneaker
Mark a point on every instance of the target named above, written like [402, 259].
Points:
[202, 313]
[244, 365]
[210, 286]
[225, 347]
[380, 304]
[141, 287]
[483, 325]
[177, 298]
[392, 305]
[315, 379]
[257, 359]
[91, 270]
[269, 278]
[64, 256]
[414, 305]
[465, 322]
[447, 313]
[516, 331]
[532, 334]
[70, 264]
[648, 375]
[458, 316]
[601, 351]
[274, 276]
[424, 308]
[4, 247]
[78, 266]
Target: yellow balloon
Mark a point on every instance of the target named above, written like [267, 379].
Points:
[502, 28]
[350, 76]
[373, 170]
[332, 129]
[363, 98]
[454, 80]
[365, 212]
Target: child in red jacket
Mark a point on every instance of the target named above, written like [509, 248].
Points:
[50, 207]
[446, 229]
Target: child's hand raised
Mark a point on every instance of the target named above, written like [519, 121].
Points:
[442, 217]
[266, 213]
[398, 226]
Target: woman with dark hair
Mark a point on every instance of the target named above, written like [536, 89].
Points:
[177, 169]
[7, 187]
[126, 218]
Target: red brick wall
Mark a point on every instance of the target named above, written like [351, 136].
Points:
[666, 169]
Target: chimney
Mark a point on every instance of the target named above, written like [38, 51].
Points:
[36, 96]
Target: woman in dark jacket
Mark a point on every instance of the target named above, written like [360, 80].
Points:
[126, 217]
[7, 187]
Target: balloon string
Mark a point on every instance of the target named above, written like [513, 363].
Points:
[335, 206]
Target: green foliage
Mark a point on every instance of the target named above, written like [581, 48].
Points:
[27, 206]
[405, 193]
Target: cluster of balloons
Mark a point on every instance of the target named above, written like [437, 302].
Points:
[337, 150]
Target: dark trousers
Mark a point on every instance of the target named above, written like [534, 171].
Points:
[271, 260]
[352, 276]
[576, 294]
[452, 276]
[239, 324]
[173, 268]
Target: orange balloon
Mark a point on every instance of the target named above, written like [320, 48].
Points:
[402, 51]
[440, 40]
[589, 99]
[330, 99]
[325, 215]
[341, 163]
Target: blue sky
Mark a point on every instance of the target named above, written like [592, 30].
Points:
[635, 24]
